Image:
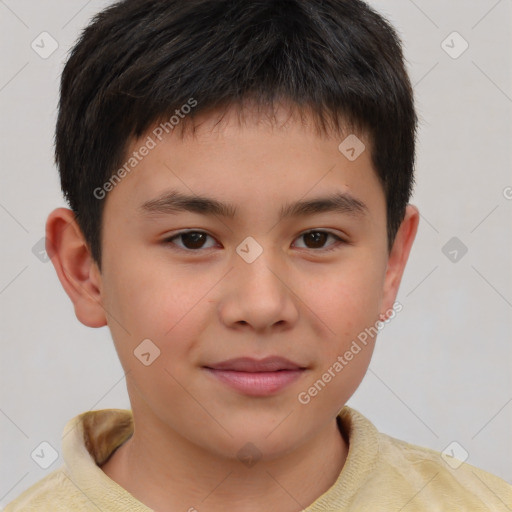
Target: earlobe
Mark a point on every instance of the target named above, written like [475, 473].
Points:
[75, 267]
[399, 255]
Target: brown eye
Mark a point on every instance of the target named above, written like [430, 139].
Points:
[191, 240]
[315, 239]
[318, 239]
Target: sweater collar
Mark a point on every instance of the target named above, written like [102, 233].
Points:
[90, 439]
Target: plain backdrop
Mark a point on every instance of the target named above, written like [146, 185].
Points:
[441, 371]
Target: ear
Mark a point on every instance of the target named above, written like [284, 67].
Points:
[77, 272]
[399, 255]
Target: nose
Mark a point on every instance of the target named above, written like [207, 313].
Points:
[258, 297]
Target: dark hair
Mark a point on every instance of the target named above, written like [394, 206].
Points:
[139, 61]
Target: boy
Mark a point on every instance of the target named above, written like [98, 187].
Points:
[239, 175]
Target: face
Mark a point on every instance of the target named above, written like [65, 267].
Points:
[244, 240]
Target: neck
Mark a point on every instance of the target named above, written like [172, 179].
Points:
[175, 474]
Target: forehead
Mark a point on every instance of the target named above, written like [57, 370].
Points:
[242, 120]
[243, 157]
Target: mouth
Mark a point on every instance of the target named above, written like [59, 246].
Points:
[256, 377]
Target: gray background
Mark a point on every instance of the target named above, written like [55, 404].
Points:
[441, 369]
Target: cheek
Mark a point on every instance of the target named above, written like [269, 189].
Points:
[155, 301]
[151, 296]
[346, 300]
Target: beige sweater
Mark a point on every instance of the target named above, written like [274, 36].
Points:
[380, 474]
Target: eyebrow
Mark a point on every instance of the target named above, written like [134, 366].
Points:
[175, 202]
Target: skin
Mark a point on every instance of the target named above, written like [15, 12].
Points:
[296, 300]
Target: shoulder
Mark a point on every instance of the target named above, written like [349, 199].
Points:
[383, 473]
[80, 485]
[427, 477]
[55, 492]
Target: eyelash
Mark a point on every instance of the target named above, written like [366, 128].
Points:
[331, 247]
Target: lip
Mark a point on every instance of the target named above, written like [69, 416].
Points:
[255, 377]
[249, 364]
